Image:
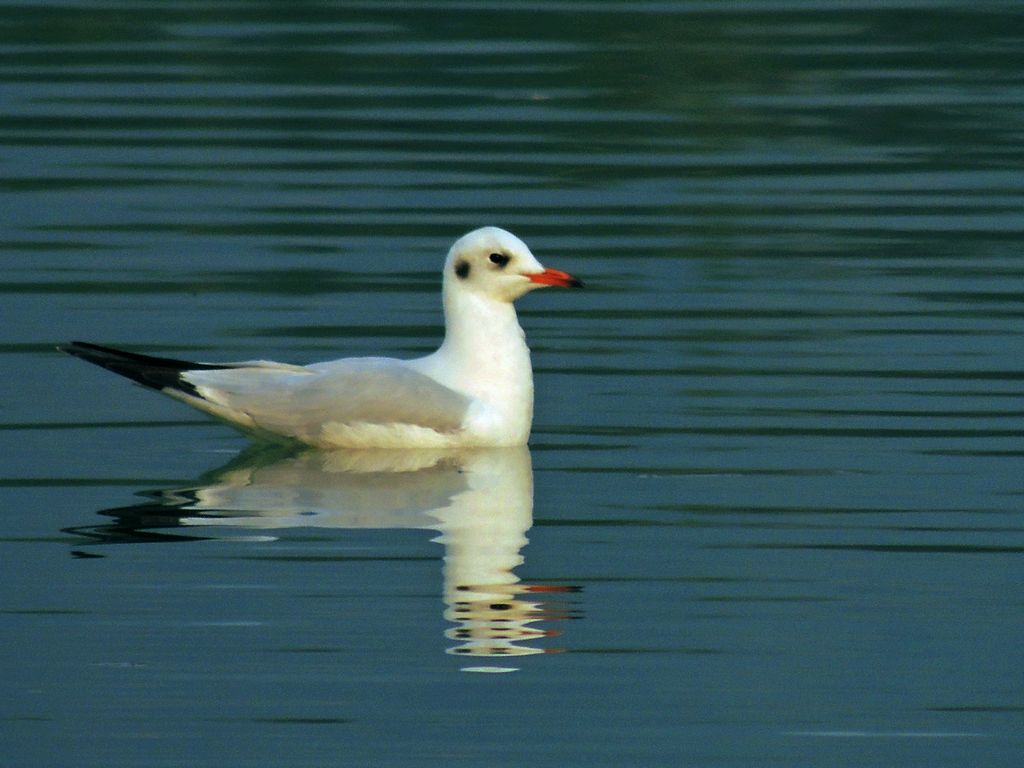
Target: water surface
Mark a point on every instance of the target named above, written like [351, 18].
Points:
[770, 511]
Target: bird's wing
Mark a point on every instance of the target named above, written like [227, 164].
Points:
[302, 402]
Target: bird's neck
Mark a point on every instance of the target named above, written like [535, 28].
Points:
[485, 350]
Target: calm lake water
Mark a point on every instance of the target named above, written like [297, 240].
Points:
[771, 511]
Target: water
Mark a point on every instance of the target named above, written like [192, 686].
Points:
[770, 511]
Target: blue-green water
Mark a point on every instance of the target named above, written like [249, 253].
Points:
[770, 512]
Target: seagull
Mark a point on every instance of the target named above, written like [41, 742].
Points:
[475, 391]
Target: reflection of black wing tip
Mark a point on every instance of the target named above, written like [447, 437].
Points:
[150, 371]
[78, 553]
[136, 524]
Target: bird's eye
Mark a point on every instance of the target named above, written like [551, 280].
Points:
[499, 258]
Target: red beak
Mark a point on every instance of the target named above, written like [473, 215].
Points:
[556, 278]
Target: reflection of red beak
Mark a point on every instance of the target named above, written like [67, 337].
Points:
[556, 278]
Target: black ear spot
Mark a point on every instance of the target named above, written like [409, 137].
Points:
[462, 270]
[499, 258]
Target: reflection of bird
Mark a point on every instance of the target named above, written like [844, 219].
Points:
[479, 500]
[476, 390]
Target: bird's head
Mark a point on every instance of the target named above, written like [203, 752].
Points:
[497, 264]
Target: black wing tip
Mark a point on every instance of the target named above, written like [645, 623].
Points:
[88, 351]
[79, 348]
[91, 352]
[149, 371]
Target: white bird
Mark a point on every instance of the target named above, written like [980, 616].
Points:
[476, 390]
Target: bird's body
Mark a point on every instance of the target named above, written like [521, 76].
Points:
[476, 390]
